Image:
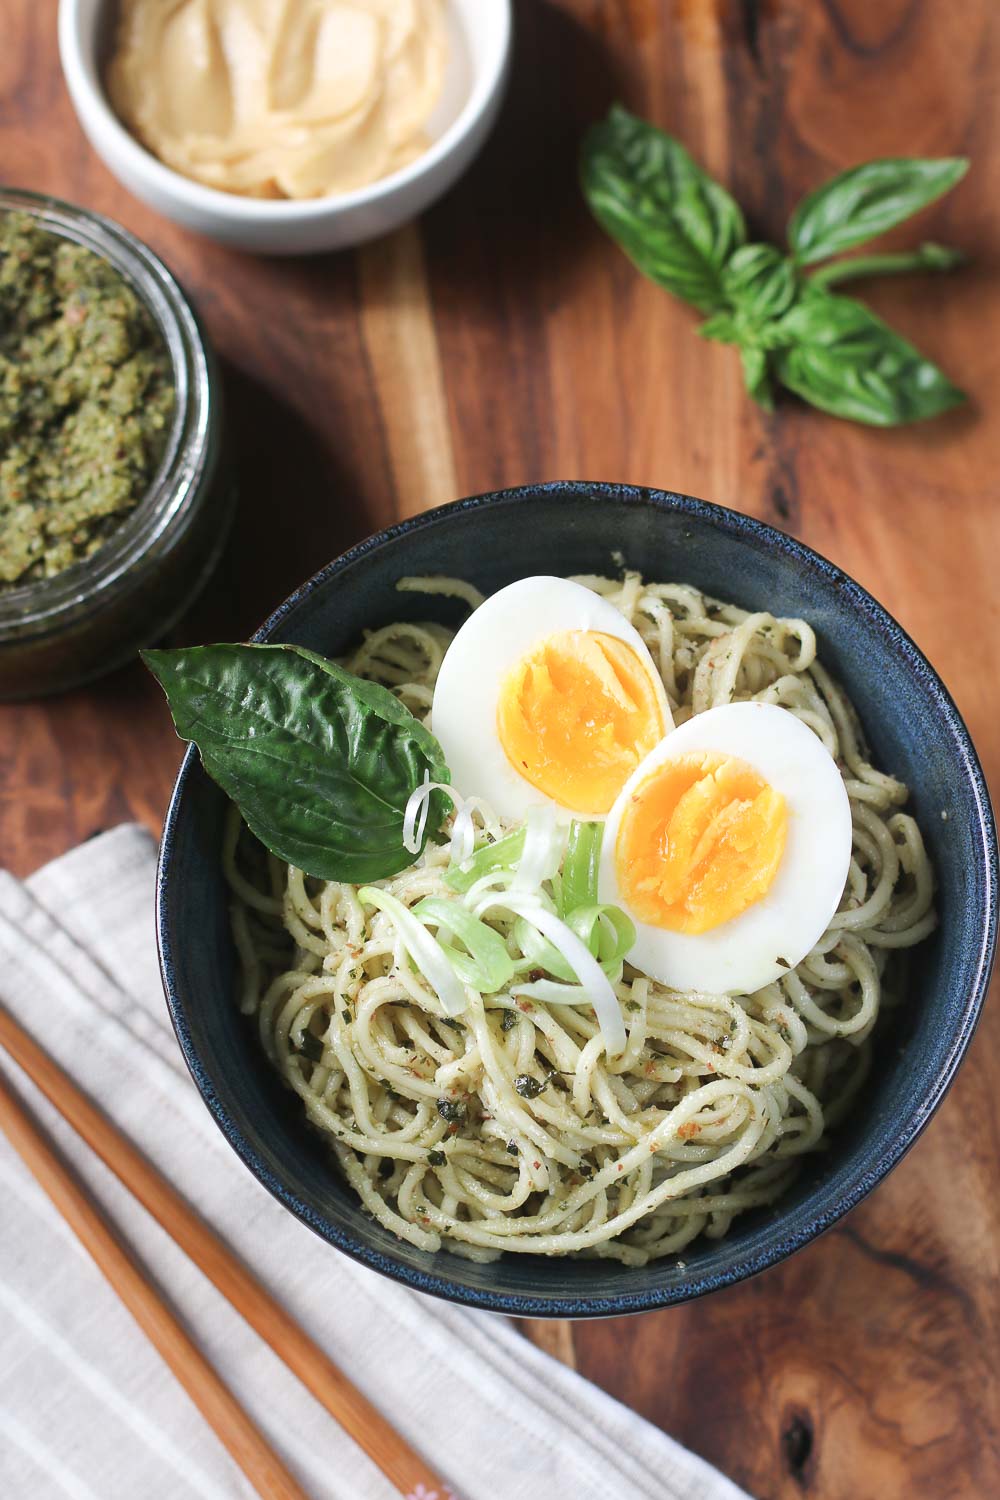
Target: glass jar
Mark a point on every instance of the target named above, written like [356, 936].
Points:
[58, 632]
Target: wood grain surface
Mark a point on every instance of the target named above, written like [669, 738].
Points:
[504, 340]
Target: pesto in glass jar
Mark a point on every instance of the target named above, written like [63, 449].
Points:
[86, 401]
[144, 364]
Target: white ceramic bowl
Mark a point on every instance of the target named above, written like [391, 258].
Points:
[480, 53]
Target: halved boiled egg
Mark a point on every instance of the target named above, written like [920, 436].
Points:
[729, 847]
[547, 693]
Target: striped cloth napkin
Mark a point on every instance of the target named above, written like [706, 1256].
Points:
[88, 1411]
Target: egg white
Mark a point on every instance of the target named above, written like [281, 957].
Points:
[742, 955]
[490, 643]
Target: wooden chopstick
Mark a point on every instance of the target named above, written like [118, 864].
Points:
[331, 1387]
[214, 1399]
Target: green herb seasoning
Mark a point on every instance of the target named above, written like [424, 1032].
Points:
[86, 401]
[528, 1087]
[311, 1046]
[452, 1110]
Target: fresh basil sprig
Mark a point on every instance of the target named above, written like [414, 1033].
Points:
[686, 233]
[320, 763]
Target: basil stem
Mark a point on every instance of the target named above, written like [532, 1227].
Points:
[927, 257]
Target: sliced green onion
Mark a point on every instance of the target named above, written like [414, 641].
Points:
[424, 951]
[487, 965]
[503, 855]
[606, 930]
[551, 993]
[575, 955]
[463, 833]
[541, 856]
[583, 857]
[417, 809]
[539, 953]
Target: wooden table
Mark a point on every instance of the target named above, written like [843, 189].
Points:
[505, 340]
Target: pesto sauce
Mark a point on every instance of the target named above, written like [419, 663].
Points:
[86, 401]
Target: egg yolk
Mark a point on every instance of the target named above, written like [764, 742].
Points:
[700, 841]
[576, 715]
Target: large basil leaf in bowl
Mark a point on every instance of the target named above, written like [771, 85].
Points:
[320, 763]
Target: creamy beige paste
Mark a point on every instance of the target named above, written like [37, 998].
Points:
[280, 98]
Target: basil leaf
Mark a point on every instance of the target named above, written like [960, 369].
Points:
[757, 376]
[721, 327]
[865, 201]
[760, 282]
[839, 356]
[320, 763]
[676, 224]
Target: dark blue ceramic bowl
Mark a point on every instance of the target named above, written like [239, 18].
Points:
[915, 731]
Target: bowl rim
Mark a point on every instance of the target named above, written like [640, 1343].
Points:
[785, 1243]
[90, 98]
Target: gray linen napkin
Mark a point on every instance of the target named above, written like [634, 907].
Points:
[87, 1410]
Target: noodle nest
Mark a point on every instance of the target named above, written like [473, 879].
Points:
[509, 1128]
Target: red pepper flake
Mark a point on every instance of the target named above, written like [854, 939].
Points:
[536, 1165]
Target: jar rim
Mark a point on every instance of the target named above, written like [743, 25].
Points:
[49, 604]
